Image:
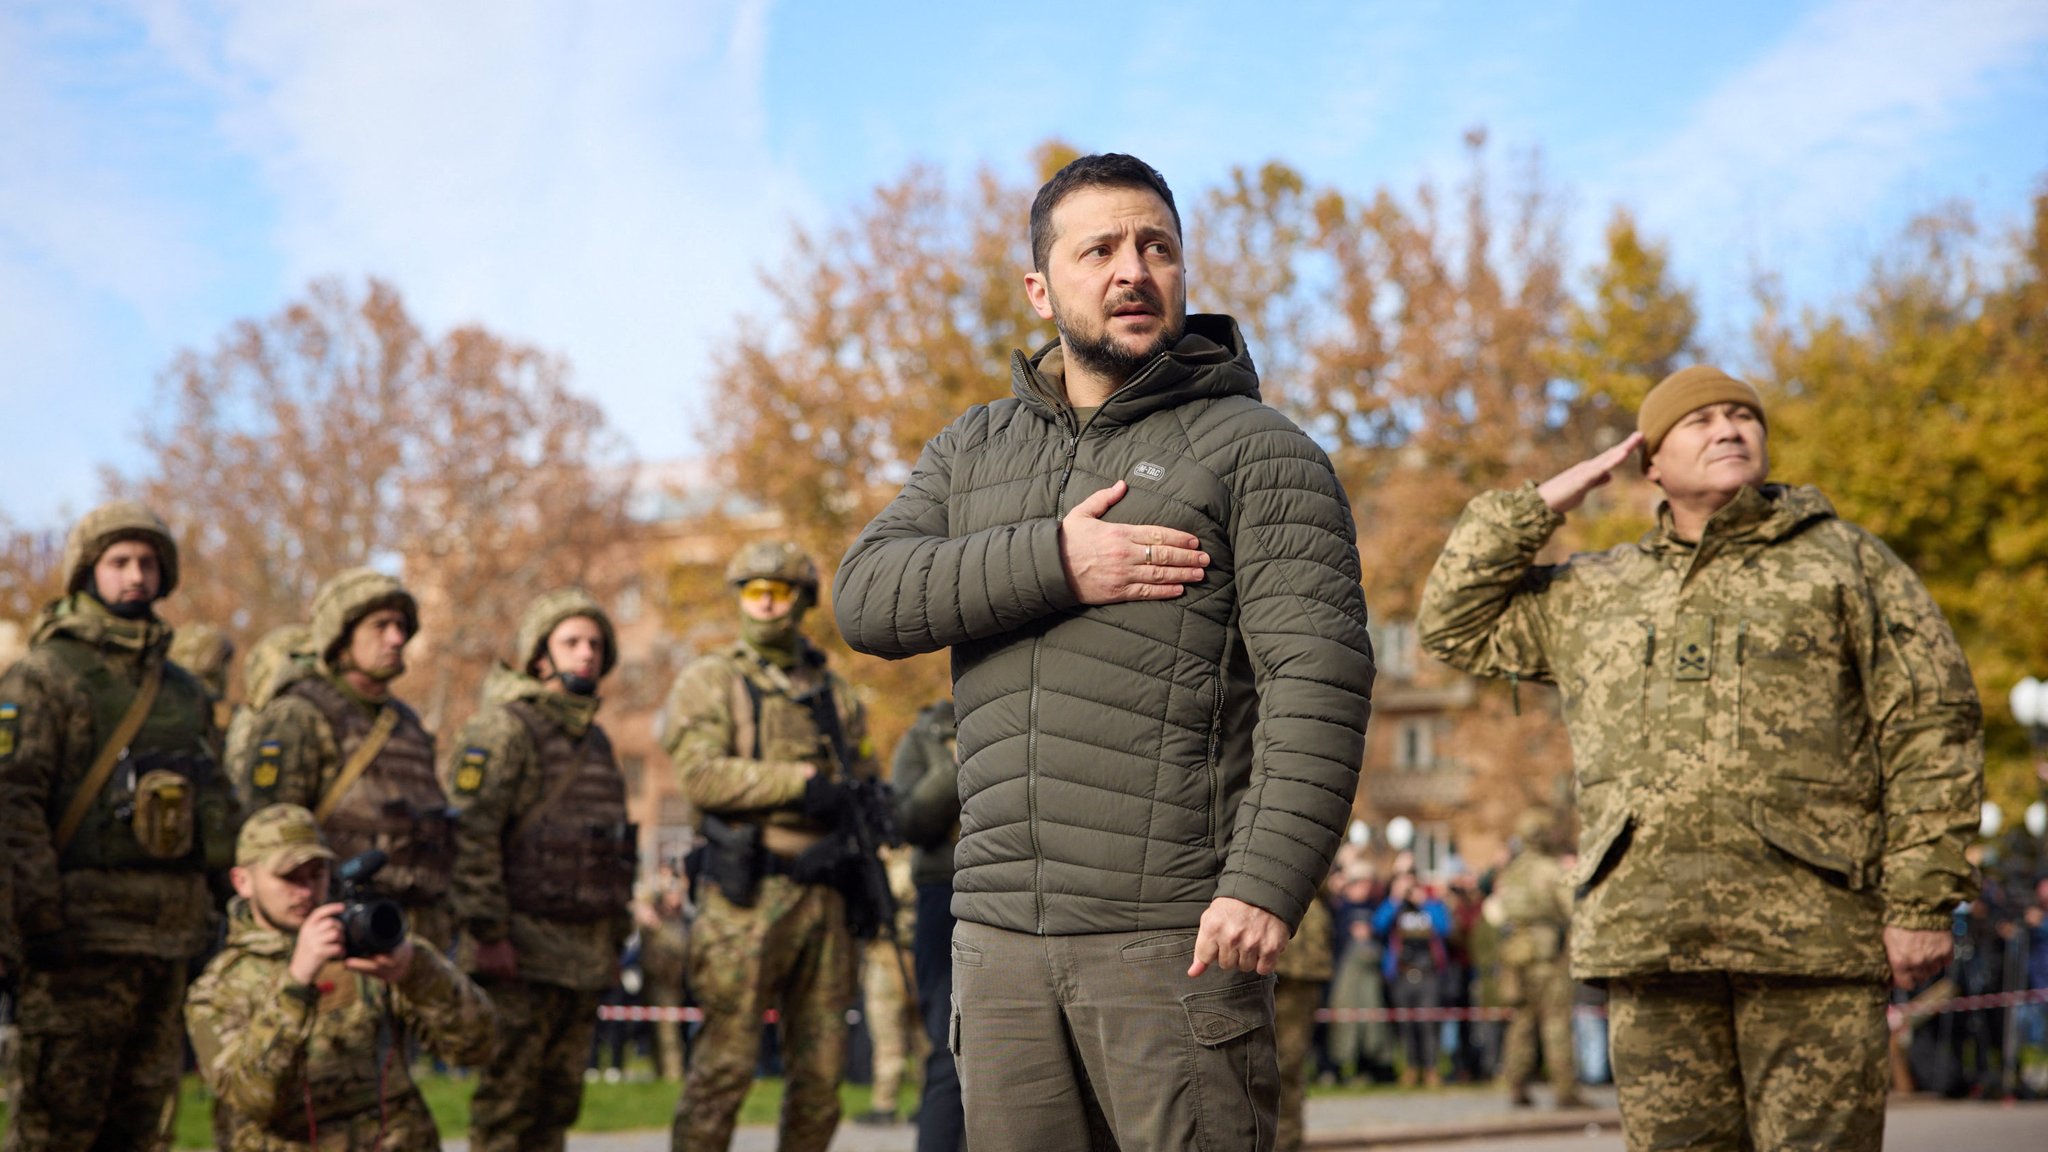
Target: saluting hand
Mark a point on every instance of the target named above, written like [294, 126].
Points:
[1567, 490]
[1116, 563]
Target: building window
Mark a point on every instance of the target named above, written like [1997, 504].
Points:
[1434, 853]
[1414, 745]
[1396, 649]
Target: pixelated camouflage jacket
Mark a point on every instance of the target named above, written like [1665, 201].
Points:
[492, 773]
[1777, 741]
[50, 733]
[258, 1044]
[740, 740]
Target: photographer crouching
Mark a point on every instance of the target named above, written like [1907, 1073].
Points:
[301, 1023]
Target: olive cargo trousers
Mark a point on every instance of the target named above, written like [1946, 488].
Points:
[1103, 1041]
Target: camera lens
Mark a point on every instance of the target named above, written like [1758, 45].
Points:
[372, 927]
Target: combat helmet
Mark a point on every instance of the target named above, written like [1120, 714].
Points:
[205, 651]
[550, 609]
[345, 599]
[109, 524]
[780, 560]
[274, 661]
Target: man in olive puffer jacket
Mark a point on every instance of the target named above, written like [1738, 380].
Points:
[1149, 583]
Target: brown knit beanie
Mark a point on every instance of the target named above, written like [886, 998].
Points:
[1684, 391]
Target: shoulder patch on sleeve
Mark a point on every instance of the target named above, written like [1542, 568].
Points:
[469, 771]
[269, 758]
[10, 722]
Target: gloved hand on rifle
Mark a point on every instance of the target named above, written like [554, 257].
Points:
[824, 799]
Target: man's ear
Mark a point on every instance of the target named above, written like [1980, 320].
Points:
[238, 876]
[1038, 294]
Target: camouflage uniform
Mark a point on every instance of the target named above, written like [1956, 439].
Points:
[205, 652]
[664, 951]
[741, 739]
[106, 925]
[298, 742]
[299, 1066]
[1532, 905]
[1303, 971]
[887, 983]
[1778, 752]
[277, 659]
[544, 858]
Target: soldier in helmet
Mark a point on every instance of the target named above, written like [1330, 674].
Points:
[112, 811]
[743, 726]
[277, 658]
[205, 651]
[1531, 906]
[544, 865]
[339, 742]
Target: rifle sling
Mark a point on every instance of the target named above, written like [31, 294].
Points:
[109, 755]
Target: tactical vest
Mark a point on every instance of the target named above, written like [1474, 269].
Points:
[576, 856]
[397, 806]
[171, 739]
[769, 723]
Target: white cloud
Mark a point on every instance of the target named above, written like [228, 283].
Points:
[1829, 126]
[594, 179]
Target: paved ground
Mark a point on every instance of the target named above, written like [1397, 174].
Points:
[1480, 1120]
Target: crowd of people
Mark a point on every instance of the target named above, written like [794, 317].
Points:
[1126, 878]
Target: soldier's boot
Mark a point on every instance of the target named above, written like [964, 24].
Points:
[1518, 1095]
[1573, 1099]
[1432, 1079]
[1409, 1076]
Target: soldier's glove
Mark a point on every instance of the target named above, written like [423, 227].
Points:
[824, 799]
[50, 953]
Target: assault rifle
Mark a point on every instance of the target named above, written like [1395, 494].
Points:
[867, 824]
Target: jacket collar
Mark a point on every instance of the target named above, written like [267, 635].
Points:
[1210, 360]
[1757, 515]
[573, 713]
[84, 618]
[246, 934]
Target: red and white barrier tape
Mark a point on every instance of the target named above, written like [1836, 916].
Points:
[1897, 1013]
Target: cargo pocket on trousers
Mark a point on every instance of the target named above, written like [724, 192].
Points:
[1233, 1072]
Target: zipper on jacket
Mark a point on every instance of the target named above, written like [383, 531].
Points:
[1741, 637]
[1031, 794]
[1216, 739]
[1643, 691]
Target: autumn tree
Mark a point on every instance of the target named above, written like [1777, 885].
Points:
[1920, 407]
[338, 433]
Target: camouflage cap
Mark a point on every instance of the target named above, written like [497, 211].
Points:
[280, 838]
[1533, 825]
[205, 651]
[107, 525]
[345, 599]
[550, 609]
[773, 560]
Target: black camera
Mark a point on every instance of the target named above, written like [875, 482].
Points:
[371, 925]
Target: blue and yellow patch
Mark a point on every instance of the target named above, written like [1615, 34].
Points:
[10, 721]
[469, 771]
[269, 758]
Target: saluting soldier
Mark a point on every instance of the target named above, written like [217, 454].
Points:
[112, 810]
[544, 865]
[339, 742]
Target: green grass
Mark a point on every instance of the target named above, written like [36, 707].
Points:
[606, 1107]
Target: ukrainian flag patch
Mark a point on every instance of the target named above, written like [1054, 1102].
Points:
[10, 720]
[269, 758]
[469, 773]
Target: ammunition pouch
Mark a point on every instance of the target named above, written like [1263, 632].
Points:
[419, 843]
[166, 811]
[561, 871]
[734, 859]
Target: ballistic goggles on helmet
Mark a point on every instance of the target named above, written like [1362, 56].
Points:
[763, 590]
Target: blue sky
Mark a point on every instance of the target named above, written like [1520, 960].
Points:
[606, 179]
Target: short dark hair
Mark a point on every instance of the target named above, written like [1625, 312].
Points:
[1101, 170]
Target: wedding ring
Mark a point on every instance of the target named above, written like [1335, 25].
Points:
[1148, 554]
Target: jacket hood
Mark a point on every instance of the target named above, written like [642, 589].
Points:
[82, 617]
[1763, 515]
[1209, 361]
[246, 935]
[505, 685]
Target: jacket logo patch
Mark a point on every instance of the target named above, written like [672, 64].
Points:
[469, 776]
[10, 718]
[269, 756]
[1147, 470]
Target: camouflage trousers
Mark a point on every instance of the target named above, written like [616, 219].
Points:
[1294, 1027]
[530, 1093]
[100, 1046]
[896, 1032]
[790, 951]
[1542, 997]
[1759, 1063]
